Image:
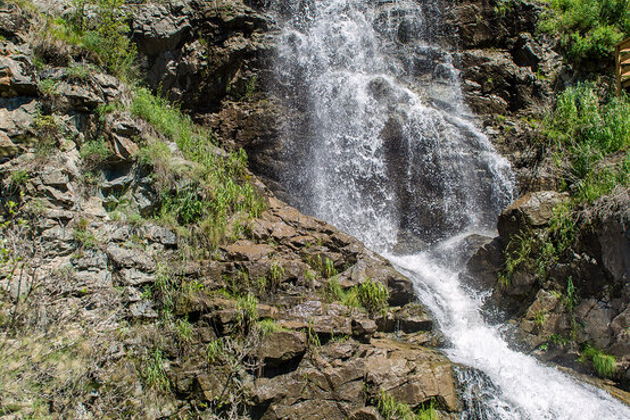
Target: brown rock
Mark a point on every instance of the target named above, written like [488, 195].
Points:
[281, 347]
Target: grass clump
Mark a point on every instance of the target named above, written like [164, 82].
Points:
[95, 152]
[392, 409]
[154, 372]
[83, 235]
[604, 364]
[269, 326]
[247, 307]
[370, 295]
[373, 296]
[588, 29]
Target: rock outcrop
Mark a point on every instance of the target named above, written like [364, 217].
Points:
[108, 309]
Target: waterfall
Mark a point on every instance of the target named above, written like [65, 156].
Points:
[382, 146]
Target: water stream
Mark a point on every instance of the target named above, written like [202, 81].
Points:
[383, 147]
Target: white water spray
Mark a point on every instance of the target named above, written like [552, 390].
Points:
[386, 151]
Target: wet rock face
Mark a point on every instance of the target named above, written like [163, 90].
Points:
[584, 297]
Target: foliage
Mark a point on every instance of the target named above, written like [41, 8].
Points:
[392, 409]
[268, 326]
[220, 187]
[95, 151]
[103, 34]
[590, 141]
[373, 296]
[588, 29]
[154, 372]
[583, 132]
[604, 364]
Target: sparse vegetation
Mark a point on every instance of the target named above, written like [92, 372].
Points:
[95, 152]
[219, 187]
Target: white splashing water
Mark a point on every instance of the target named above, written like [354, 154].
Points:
[385, 150]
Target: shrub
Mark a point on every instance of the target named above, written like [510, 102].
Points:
[588, 29]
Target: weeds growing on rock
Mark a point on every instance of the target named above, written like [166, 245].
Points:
[604, 364]
[373, 296]
[95, 152]
[154, 372]
[392, 409]
[220, 188]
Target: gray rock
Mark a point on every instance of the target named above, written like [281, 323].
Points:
[17, 76]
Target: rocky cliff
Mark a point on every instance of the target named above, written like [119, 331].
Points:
[148, 272]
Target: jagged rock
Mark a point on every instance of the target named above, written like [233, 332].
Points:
[483, 267]
[247, 250]
[363, 329]
[17, 77]
[157, 28]
[17, 116]
[409, 319]
[142, 309]
[7, 148]
[282, 347]
[79, 97]
[366, 413]
[531, 210]
[130, 258]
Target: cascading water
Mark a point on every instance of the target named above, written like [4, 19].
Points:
[382, 147]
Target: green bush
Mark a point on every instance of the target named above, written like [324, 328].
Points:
[588, 29]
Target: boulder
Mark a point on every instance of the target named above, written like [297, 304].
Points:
[533, 210]
[282, 347]
[17, 76]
